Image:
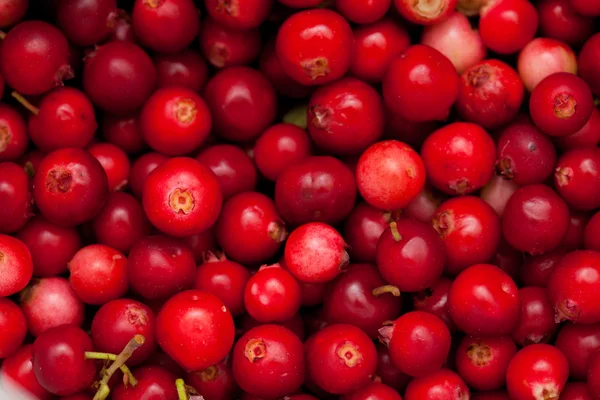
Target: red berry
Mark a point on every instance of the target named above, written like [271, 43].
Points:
[178, 336]
[536, 319]
[578, 343]
[588, 63]
[539, 371]
[559, 20]
[497, 192]
[12, 11]
[543, 57]
[215, 382]
[593, 375]
[589, 8]
[386, 371]
[506, 26]
[15, 197]
[588, 136]
[16, 265]
[363, 11]
[314, 47]
[434, 300]
[153, 382]
[115, 163]
[13, 327]
[13, 134]
[124, 132]
[536, 270]
[443, 384]
[425, 12]
[375, 391]
[18, 379]
[577, 176]
[244, 14]
[576, 391]
[184, 69]
[141, 168]
[224, 47]
[86, 23]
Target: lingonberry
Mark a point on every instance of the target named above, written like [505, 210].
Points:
[152, 381]
[591, 233]
[425, 12]
[506, 26]
[576, 391]
[223, 46]
[375, 45]
[18, 379]
[497, 192]
[336, 117]
[470, 230]
[468, 153]
[574, 239]
[363, 11]
[201, 244]
[250, 229]
[141, 168]
[361, 297]
[577, 176]
[376, 391]
[166, 26]
[442, 384]
[15, 197]
[115, 163]
[43, 54]
[561, 104]
[434, 300]
[389, 175]
[490, 94]
[178, 336]
[340, 358]
[318, 188]
[463, 53]
[362, 231]
[215, 382]
[86, 23]
[539, 371]
[242, 102]
[543, 57]
[268, 361]
[233, 168]
[578, 343]
[410, 255]
[593, 375]
[560, 21]
[536, 270]
[124, 132]
[271, 68]
[16, 265]
[13, 134]
[573, 286]
[70, 187]
[59, 360]
[243, 15]
[182, 197]
[588, 136]
[119, 77]
[496, 313]
[159, 267]
[13, 327]
[588, 63]
[314, 47]
[12, 11]
[420, 85]
[315, 252]
[387, 372]
[535, 219]
[482, 361]
[184, 69]
[117, 321]
[419, 343]
[225, 279]
[50, 302]
[524, 154]
[588, 8]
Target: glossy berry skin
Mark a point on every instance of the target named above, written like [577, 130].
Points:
[593, 374]
[13, 327]
[153, 382]
[271, 68]
[362, 230]
[16, 265]
[425, 13]
[224, 47]
[278, 147]
[175, 121]
[191, 348]
[434, 300]
[375, 391]
[588, 136]
[268, 361]
[419, 343]
[182, 197]
[117, 321]
[16, 374]
[165, 26]
[420, 85]
[141, 168]
[345, 117]
[482, 362]
[314, 47]
[468, 153]
[535, 219]
[315, 253]
[70, 187]
[389, 175]
[578, 343]
[242, 103]
[115, 163]
[59, 361]
[389, 374]
[364, 11]
[243, 15]
[232, 166]
[340, 358]
[537, 371]
[470, 230]
[186, 68]
[375, 45]
[490, 94]
[65, 118]
[12, 11]
[86, 23]
[250, 229]
[576, 176]
[15, 197]
[536, 320]
[440, 385]
[494, 314]
[160, 266]
[50, 302]
[42, 51]
[350, 299]
[559, 20]
[573, 285]
[13, 134]
[524, 154]
[561, 104]
[124, 132]
[215, 382]
[119, 77]
[506, 26]
[319, 188]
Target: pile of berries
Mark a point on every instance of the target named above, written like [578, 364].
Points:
[299, 199]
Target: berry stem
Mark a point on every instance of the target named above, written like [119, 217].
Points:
[386, 289]
[181, 392]
[395, 234]
[25, 103]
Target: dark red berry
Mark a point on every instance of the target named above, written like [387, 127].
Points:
[536, 320]
[215, 382]
[86, 23]
[141, 168]
[184, 69]
[578, 343]
[13, 134]
[434, 300]
[559, 20]
[152, 381]
[13, 327]
[577, 178]
[124, 132]
[223, 46]
[244, 14]
[442, 384]
[15, 197]
[16, 265]
[115, 163]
